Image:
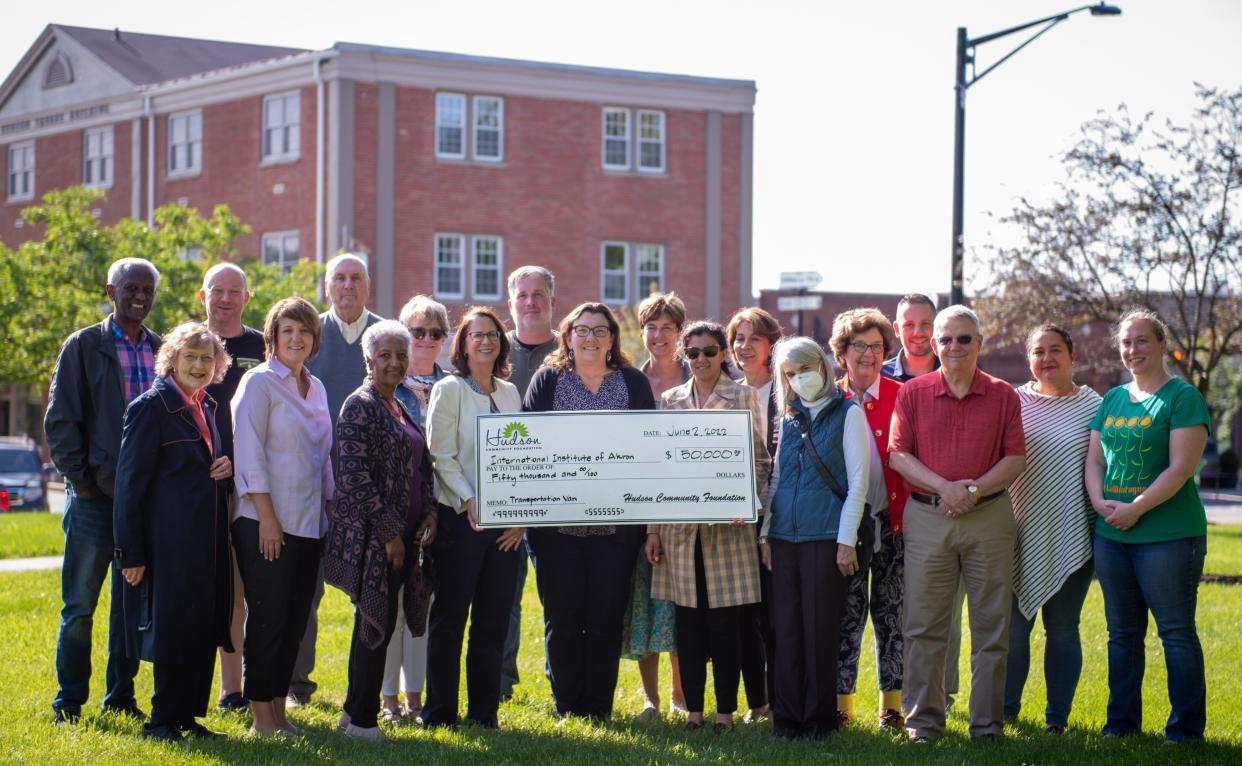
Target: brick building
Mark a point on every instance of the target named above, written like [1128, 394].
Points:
[447, 170]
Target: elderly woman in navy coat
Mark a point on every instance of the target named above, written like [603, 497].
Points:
[171, 530]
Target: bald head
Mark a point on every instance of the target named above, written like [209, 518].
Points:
[225, 296]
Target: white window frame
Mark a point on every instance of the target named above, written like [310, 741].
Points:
[288, 129]
[462, 126]
[281, 237]
[192, 118]
[498, 267]
[476, 128]
[605, 138]
[27, 149]
[640, 141]
[605, 272]
[639, 274]
[98, 155]
[461, 265]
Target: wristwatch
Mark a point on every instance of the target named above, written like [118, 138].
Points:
[763, 541]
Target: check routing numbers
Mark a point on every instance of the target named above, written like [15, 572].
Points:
[649, 467]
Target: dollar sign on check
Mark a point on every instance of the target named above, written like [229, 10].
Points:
[668, 455]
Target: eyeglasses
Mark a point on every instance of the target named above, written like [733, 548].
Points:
[962, 340]
[422, 332]
[583, 331]
[479, 337]
[692, 352]
[862, 348]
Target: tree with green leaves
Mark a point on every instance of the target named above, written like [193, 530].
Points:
[1147, 217]
[55, 285]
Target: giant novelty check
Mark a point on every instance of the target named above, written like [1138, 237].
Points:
[632, 467]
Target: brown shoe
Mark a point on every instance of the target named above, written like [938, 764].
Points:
[843, 719]
[891, 719]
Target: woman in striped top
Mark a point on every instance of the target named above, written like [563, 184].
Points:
[1052, 563]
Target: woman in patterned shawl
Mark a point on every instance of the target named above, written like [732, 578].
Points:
[383, 507]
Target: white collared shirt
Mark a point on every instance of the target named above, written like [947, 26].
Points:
[282, 446]
[351, 331]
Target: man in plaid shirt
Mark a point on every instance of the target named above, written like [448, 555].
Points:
[100, 370]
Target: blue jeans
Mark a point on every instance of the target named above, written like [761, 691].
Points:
[1163, 578]
[88, 557]
[1062, 652]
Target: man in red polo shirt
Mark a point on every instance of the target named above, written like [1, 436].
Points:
[957, 439]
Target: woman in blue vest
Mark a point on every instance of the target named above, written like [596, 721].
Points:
[819, 491]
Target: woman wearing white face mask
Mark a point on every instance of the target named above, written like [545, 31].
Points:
[819, 488]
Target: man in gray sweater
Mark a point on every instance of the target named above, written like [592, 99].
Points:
[341, 368]
[531, 301]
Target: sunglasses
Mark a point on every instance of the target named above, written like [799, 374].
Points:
[962, 340]
[708, 351]
[422, 332]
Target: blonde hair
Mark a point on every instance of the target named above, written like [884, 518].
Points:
[191, 335]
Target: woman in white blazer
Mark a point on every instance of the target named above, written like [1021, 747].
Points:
[476, 568]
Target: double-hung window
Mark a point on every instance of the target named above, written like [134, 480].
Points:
[97, 166]
[469, 267]
[185, 143]
[21, 171]
[625, 279]
[281, 126]
[634, 140]
[280, 248]
[470, 129]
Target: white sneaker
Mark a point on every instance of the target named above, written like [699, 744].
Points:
[374, 734]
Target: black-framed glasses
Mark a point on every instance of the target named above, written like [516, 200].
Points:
[692, 352]
[862, 348]
[479, 337]
[962, 340]
[583, 331]
[422, 332]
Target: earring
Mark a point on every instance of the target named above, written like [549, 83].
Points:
[571, 353]
[608, 357]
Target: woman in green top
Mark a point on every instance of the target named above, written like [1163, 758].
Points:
[1150, 536]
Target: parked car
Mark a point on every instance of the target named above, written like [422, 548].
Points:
[21, 474]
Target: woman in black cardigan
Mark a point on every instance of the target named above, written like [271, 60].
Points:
[584, 572]
[170, 523]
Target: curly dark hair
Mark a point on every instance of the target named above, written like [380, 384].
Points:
[562, 359]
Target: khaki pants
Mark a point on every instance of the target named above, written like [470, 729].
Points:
[978, 549]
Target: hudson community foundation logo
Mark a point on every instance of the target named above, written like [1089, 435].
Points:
[514, 434]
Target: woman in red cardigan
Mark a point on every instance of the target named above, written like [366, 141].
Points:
[861, 340]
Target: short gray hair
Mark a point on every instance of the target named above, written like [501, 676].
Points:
[120, 267]
[385, 328]
[422, 307]
[800, 350]
[531, 271]
[956, 311]
[339, 259]
[222, 267]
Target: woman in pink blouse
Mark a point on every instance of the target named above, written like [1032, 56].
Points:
[282, 442]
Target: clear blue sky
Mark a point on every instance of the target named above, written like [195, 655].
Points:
[854, 116]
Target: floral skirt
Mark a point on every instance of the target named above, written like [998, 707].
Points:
[649, 623]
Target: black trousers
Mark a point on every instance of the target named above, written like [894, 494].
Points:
[366, 666]
[584, 583]
[278, 601]
[183, 689]
[475, 579]
[808, 594]
[705, 633]
[758, 643]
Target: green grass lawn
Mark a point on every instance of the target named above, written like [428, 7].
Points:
[24, 535]
[28, 617]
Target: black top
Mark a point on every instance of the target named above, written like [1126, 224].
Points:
[247, 351]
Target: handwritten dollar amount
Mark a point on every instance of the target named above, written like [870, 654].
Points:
[692, 455]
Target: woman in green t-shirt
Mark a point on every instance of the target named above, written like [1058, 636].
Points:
[1150, 537]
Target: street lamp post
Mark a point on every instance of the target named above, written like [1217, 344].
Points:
[966, 56]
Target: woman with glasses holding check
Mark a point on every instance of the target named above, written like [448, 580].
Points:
[710, 571]
[477, 568]
[584, 572]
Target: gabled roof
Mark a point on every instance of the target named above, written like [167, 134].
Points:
[148, 59]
